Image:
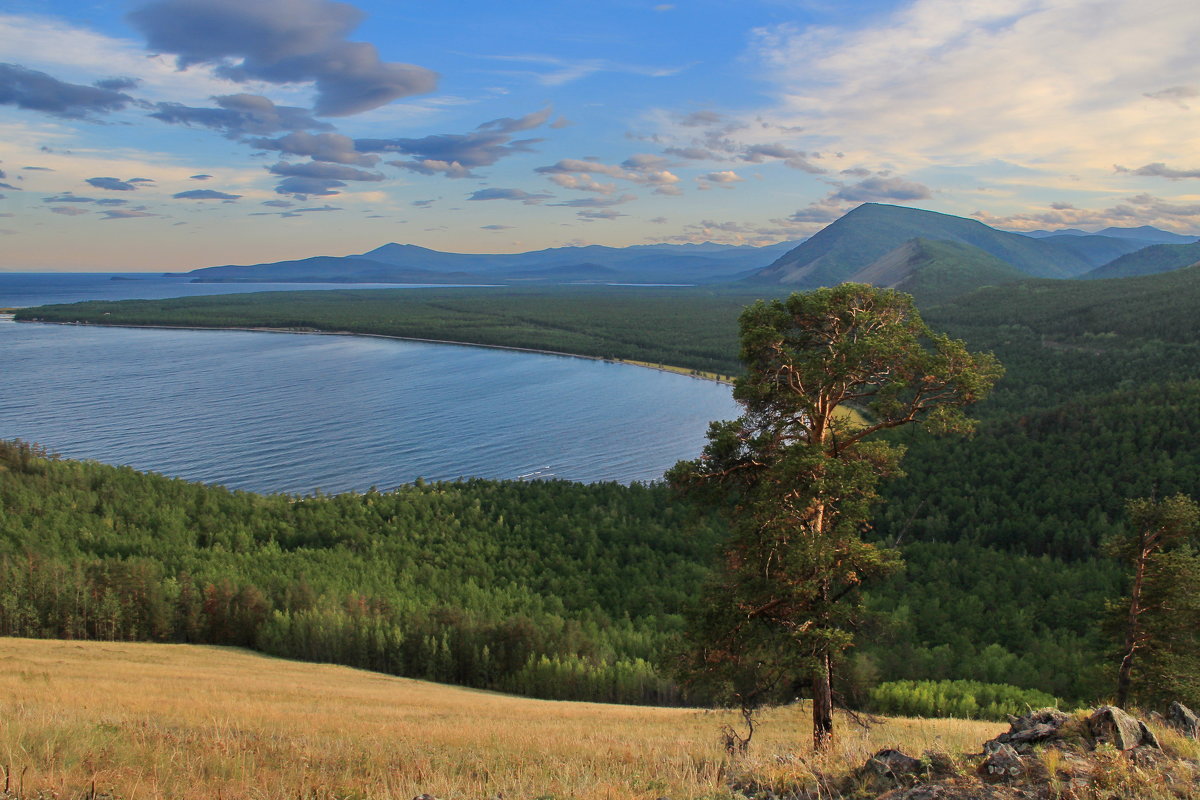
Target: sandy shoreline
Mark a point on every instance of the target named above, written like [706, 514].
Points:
[672, 370]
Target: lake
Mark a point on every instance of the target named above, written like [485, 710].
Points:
[295, 413]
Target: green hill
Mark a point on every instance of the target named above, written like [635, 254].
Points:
[872, 230]
[1148, 261]
[934, 272]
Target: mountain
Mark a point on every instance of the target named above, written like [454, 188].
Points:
[325, 269]
[1144, 233]
[934, 272]
[408, 263]
[1148, 261]
[872, 230]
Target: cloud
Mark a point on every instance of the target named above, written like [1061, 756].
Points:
[918, 87]
[37, 91]
[1161, 170]
[597, 202]
[69, 211]
[555, 71]
[282, 42]
[595, 216]
[725, 179]
[278, 203]
[583, 183]
[240, 115]
[1176, 95]
[114, 184]
[118, 84]
[701, 118]
[303, 188]
[126, 213]
[1133, 211]
[205, 194]
[320, 147]
[495, 227]
[873, 190]
[200, 177]
[67, 197]
[663, 179]
[509, 194]
[324, 171]
[455, 155]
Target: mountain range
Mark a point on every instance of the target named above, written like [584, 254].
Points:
[924, 252]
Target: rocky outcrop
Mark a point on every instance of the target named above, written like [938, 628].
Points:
[1181, 718]
[1045, 755]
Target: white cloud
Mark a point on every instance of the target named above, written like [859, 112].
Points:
[1063, 85]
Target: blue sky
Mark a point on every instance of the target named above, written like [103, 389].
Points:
[173, 134]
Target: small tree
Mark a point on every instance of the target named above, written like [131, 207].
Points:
[1158, 623]
[796, 476]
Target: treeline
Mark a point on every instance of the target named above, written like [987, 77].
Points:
[961, 699]
[551, 588]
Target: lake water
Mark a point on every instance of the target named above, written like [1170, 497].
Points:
[294, 413]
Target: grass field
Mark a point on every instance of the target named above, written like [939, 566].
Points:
[180, 721]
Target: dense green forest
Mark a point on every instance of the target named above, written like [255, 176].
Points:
[1004, 581]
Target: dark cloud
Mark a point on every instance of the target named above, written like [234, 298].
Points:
[69, 198]
[303, 188]
[509, 194]
[1161, 170]
[70, 211]
[323, 170]
[1176, 95]
[111, 201]
[423, 203]
[320, 147]
[241, 115]
[514, 125]
[874, 190]
[199, 177]
[282, 41]
[316, 208]
[113, 184]
[278, 203]
[455, 155]
[37, 91]
[596, 202]
[117, 84]
[594, 216]
[205, 194]
[698, 119]
[37, 169]
[495, 227]
[126, 213]
[140, 180]
[10, 186]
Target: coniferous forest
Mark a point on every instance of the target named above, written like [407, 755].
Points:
[571, 591]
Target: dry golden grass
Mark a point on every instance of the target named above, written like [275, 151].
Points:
[180, 722]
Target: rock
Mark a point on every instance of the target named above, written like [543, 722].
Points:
[1111, 725]
[888, 769]
[1040, 726]
[1002, 764]
[1181, 718]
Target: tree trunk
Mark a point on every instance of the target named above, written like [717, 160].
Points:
[822, 691]
[1132, 628]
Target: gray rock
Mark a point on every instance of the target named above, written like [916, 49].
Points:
[1002, 764]
[1181, 718]
[1111, 725]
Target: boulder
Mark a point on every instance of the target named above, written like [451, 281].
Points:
[1181, 718]
[1003, 764]
[1111, 725]
[1024, 732]
[888, 769]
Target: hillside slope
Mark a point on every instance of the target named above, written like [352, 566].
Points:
[934, 272]
[1149, 261]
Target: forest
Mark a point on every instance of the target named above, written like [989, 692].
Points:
[564, 590]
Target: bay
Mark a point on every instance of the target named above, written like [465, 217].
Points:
[296, 413]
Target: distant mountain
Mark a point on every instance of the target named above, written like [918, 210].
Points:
[872, 230]
[325, 269]
[934, 272]
[408, 263]
[1149, 261]
[1144, 233]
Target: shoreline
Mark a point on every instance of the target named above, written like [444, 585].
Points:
[683, 371]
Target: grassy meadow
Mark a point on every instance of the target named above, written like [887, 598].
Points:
[182, 721]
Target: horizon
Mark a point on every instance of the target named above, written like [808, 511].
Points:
[295, 128]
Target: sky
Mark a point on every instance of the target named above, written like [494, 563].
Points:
[175, 134]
